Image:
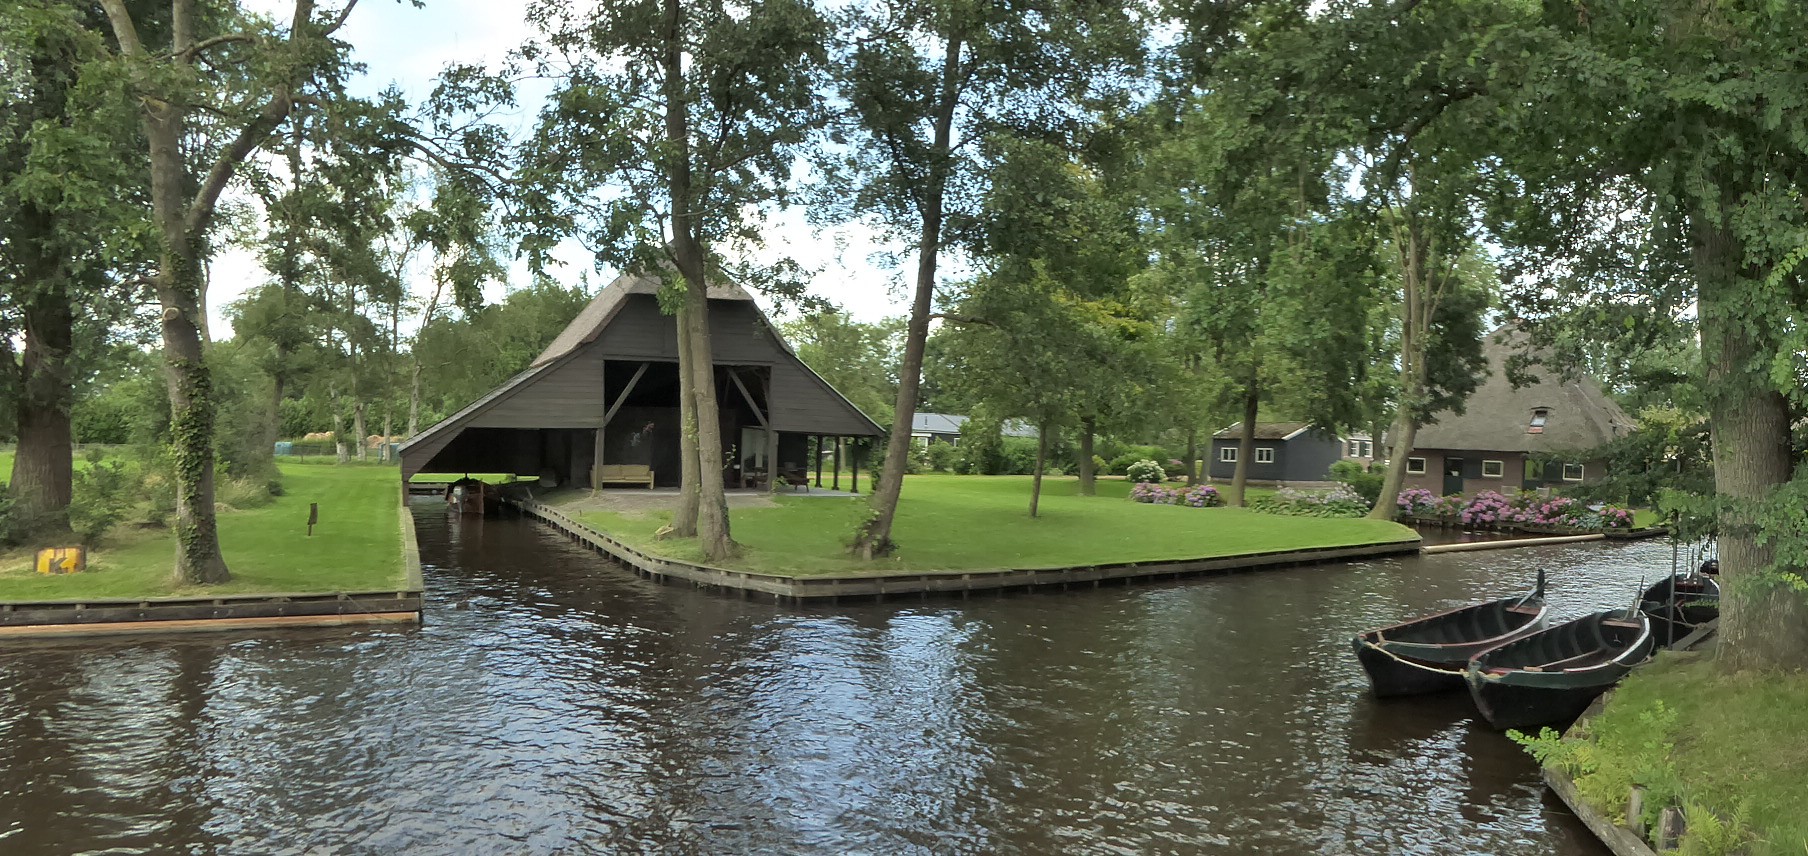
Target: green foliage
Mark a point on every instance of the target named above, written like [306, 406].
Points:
[1366, 484]
[1341, 501]
[10, 530]
[942, 457]
[104, 491]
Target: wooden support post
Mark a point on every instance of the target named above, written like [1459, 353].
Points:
[854, 474]
[1670, 827]
[816, 453]
[771, 441]
[838, 444]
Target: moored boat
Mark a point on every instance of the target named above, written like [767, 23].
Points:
[1427, 654]
[1679, 604]
[1549, 677]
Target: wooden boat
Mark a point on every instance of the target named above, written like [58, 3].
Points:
[1549, 677]
[1428, 654]
[1679, 604]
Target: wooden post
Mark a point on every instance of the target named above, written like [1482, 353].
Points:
[817, 454]
[1670, 827]
[771, 439]
[1635, 807]
[838, 445]
[596, 464]
[854, 474]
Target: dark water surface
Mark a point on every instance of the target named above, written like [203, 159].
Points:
[575, 708]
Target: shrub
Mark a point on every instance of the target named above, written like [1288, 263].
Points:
[1197, 496]
[1417, 501]
[942, 457]
[8, 533]
[103, 493]
[1120, 465]
[1145, 471]
[1365, 483]
[1340, 501]
[1019, 456]
[1099, 467]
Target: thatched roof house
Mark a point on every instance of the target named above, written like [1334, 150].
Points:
[1507, 438]
[601, 402]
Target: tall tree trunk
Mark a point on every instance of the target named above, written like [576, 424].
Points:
[1763, 624]
[690, 470]
[1041, 461]
[358, 430]
[874, 537]
[43, 476]
[1415, 330]
[388, 428]
[1192, 456]
[1404, 431]
[1246, 446]
[697, 359]
[414, 396]
[1088, 474]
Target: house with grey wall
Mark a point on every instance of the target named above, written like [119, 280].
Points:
[1284, 452]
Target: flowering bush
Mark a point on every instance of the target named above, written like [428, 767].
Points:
[1197, 496]
[1340, 501]
[1488, 507]
[1144, 471]
[1418, 501]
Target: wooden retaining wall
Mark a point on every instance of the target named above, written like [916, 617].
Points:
[117, 616]
[880, 586]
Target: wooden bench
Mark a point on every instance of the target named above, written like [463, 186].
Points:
[624, 474]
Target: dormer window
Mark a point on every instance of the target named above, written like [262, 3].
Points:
[1538, 419]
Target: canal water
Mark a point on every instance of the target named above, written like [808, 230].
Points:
[555, 704]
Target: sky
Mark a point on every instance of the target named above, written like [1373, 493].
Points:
[408, 46]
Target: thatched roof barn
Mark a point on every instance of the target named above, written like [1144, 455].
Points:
[600, 405]
[1507, 438]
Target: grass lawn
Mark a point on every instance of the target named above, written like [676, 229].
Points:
[982, 522]
[355, 547]
[1709, 741]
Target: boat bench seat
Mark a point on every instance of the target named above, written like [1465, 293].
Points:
[1629, 625]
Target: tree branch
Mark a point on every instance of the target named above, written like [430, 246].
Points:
[123, 30]
[200, 211]
[195, 50]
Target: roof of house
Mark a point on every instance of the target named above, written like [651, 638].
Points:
[597, 314]
[949, 423]
[1497, 417]
[1265, 431]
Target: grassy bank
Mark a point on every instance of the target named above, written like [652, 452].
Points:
[982, 522]
[1728, 748]
[355, 547]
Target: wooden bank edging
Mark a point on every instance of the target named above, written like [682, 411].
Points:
[120, 616]
[798, 589]
[1470, 546]
[1619, 839]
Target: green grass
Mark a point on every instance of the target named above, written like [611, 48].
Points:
[1693, 735]
[952, 523]
[355, 547]
[6, 466]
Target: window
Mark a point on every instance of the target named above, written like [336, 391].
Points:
[1493, 469]
[1228, 454]
[1572, 472]
[1265, 455]
[1415, 466]
[1368, 449]
[1355, 448]
[1538, 419]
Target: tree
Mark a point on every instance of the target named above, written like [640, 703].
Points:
[669, 122]
[64, 231]
[924, 82]
[1685, 124]
[168, 79]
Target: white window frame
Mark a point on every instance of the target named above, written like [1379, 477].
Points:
[1499, 467]
[1368, 449]
[1265, 454]
[1227, 455]
[1581, 472]
[1415, 466]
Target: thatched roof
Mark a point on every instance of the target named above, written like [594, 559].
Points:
[1498, 417]
[1265, 431]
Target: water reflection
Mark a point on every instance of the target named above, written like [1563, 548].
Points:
[571, 707]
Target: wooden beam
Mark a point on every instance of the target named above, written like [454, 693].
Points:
[816, 453]
[771, 441]
[837, 483]
[736, 377]
[624, 393]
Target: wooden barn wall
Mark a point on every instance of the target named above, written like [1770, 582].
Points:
[569, 396]
[641, 331]
[803, 404]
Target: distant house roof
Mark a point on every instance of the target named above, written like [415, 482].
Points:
[936, 423]
[1265, 430]
[949, 423]
[1498, 418]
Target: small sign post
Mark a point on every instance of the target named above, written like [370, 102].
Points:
[313, 517]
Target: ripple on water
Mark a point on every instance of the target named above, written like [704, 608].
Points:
[572, 707]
